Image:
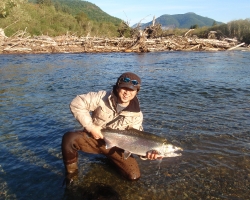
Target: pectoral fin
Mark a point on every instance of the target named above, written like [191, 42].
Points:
[109, 144]
[126, 154]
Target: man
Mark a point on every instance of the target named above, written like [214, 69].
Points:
[117, 109]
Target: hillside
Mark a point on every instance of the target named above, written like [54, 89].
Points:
[91, 10]
[182, 21]
[56, 17]
[74, 7]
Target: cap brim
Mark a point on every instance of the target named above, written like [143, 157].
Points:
[128, 85]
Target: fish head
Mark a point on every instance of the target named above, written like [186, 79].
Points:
[170, 150]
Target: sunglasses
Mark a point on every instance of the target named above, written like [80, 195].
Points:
[127, 80]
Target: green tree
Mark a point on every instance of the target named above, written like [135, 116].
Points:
[6, 6]
[44, 2]
[82, 18]
[194, 26]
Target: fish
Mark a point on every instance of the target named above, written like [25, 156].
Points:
[138, 142]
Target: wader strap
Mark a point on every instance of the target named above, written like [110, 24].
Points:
[112, 121]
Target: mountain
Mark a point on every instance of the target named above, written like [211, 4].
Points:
[182, 21]
[75, 7]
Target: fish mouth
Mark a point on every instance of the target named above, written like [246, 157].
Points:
[178, 151]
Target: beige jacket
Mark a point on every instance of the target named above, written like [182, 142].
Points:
[103, 104]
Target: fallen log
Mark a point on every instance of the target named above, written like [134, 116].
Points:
[236, 46]
[188, 32]
[17, 49]
[71, 43]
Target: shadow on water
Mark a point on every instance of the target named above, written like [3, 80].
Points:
[93, 192]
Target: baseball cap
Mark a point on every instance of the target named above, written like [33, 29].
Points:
[129, 80]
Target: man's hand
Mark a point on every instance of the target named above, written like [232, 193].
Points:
[96, 132]
[153, 155]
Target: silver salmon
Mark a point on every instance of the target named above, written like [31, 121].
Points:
[138, 142]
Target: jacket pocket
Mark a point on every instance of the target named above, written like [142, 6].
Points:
[101, 116]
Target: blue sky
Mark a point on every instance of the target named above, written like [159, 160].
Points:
[134, 11]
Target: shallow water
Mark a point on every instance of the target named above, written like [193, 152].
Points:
[198, 100]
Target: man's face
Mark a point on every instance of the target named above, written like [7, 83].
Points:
[125, 95]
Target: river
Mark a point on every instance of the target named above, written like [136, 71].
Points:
[198, 100]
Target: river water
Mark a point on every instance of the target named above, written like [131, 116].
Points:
[198, 100]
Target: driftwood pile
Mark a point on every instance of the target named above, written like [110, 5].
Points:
[21, 43]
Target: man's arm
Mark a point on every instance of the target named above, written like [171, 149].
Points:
[82, 105]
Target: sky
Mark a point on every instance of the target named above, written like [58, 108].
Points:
[134, 11]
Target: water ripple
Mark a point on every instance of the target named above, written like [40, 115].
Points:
[198, 100]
